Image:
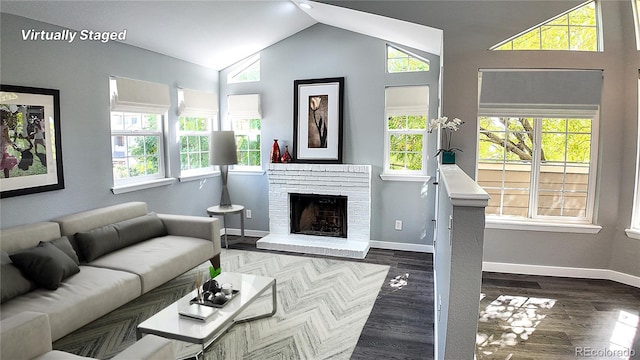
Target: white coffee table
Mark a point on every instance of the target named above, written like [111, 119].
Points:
[169, 324]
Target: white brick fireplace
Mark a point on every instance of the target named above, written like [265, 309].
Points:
[352, 181]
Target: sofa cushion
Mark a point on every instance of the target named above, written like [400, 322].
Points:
[80, 299]
[160, 259]
[12, 281]
[64, 244]
[45, 264]
[97, 242]
[140, 228]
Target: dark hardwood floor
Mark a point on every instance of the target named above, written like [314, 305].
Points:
[540, 317]
[521, 316]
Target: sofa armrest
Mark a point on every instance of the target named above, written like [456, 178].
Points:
[194, 226]
[25, 336]
[150, 347]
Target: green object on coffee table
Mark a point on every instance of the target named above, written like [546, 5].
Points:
[214, 272]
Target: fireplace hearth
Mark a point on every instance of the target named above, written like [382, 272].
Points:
[320, 225]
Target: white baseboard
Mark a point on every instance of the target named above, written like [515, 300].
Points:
[604, 274]
[388, 245]
[247, 232]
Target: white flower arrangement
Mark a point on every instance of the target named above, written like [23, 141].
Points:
[448, 128]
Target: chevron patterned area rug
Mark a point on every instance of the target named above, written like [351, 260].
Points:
[323, 304]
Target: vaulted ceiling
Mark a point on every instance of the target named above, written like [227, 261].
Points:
[216, 33]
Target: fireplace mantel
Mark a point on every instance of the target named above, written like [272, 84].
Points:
[352, 181]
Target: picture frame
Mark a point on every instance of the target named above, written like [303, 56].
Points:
[318, 120]
[30, 140]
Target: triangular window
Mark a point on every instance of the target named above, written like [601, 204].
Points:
[573, 30]
[248, 70]
[402, 61]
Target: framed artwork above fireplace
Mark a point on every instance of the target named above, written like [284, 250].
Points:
[317, 120]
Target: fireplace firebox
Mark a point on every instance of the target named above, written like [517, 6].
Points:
[324, 215]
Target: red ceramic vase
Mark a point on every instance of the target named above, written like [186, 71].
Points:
[286, 156]
[275, 152]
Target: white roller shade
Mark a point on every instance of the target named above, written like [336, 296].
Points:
[407, 100]
[197, 103]
[244, 106]
[138, 96]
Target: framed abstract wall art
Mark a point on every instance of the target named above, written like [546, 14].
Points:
[318, 120]
[30, 142]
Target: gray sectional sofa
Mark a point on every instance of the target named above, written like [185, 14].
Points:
[27, 336]
[122, 252]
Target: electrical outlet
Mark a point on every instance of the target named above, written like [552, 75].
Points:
[398, 225]
[248, 212]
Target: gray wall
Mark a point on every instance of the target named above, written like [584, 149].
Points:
[319, 52]
[81, 71]
[470, 28]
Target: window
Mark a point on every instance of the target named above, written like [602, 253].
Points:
[247, 133]
[195, 136]
[137, 132]
[575, 30]
[538, 166]
[406, 130]
[538, 146]
[246, 71]
[402, 61]
[197, 111]
[245, 119]
[136, 140]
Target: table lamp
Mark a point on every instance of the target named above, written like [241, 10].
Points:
[223, 154]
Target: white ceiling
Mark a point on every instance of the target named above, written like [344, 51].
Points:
[215, 33]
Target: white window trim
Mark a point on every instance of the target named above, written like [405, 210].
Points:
[247, 170]
[497, 222]
[141, 185]
[137, 96]
[406, 110]
[410, 55]
[119, 183]
[242, 66]
[540, 222]
[208, 171]
[636, 20]
[407, 174]
[405, 177]
[193, 175]
[600, 40]
[634, 229]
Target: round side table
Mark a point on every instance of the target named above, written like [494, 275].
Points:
[224, 210]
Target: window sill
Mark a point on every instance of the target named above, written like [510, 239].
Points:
[533, 225]
[633, 233]
[257, 172]
[121, 189]
[195, 177]
[405, 177]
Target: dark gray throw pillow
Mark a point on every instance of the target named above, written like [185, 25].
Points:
[97, 242]
[64, 244]
[45, 264]
[139, 229]
[12, 282]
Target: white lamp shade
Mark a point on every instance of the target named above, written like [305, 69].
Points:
[223, 148]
